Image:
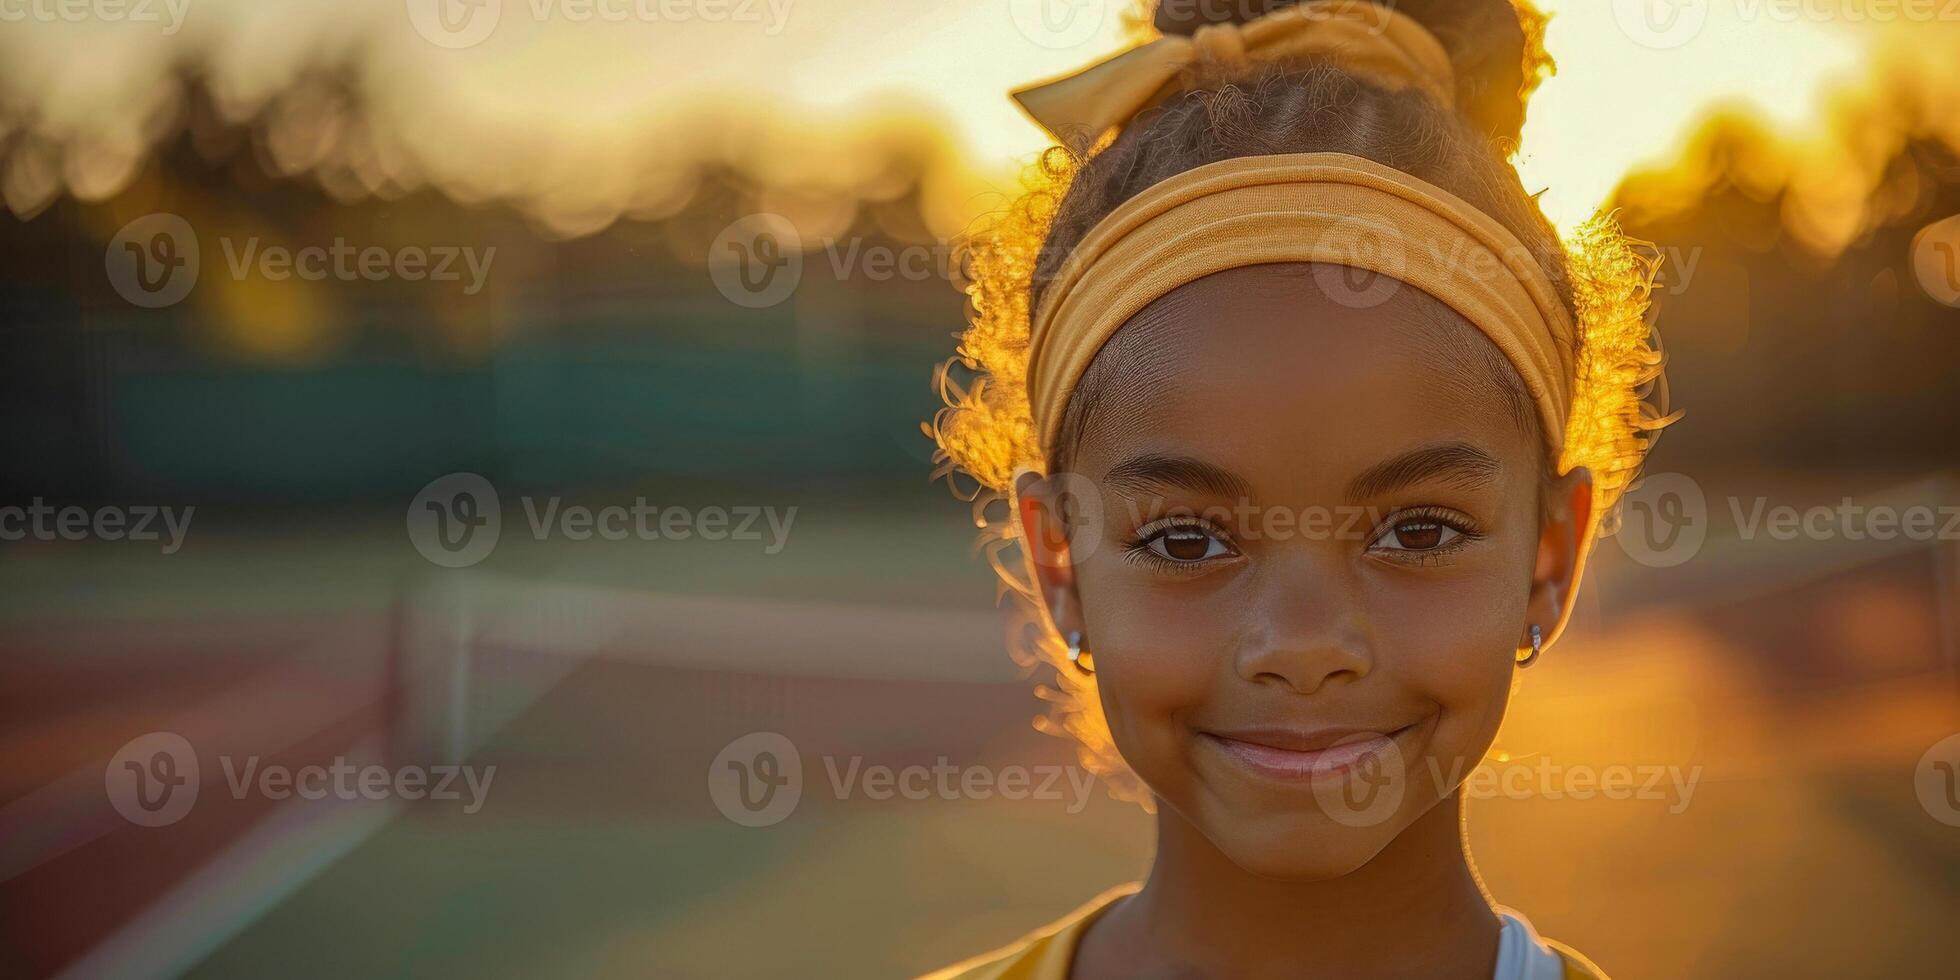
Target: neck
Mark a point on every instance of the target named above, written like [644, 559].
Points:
[1415, 909]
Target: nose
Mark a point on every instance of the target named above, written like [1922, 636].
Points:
[1307, 630]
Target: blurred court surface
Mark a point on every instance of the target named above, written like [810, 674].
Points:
[602, 679]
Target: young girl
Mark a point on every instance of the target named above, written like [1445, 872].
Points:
[1305, 419]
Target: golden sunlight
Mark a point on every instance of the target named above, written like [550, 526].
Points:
[580, 119]
[1636, 81]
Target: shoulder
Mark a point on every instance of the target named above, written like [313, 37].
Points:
[1523, 954]
[1047, 953]
[1028, 959]
[1577, 967]
[1044, 954]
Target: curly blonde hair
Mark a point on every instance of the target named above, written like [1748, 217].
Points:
[985, 433]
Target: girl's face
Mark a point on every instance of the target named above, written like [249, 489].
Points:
[1323, 534]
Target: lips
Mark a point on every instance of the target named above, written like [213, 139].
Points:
[1305, 755]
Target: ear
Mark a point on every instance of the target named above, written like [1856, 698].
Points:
[1564, 540]
[1039, 508]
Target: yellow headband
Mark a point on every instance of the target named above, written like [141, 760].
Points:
[1329, 208]
[1372, 41]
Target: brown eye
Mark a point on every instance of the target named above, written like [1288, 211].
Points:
[1187, 544]
[1417, 536]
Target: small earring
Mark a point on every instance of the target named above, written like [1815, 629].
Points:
[1537, 644]
[1075, 652]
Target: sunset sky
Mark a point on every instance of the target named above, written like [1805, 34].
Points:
[561, 106]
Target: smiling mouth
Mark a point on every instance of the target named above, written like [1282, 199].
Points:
[1307, 756]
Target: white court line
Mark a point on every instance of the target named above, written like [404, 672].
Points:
[443, 632]
[262, 868]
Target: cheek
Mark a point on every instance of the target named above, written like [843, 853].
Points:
[1156, 654]
[1451, 638]
[1455, 652]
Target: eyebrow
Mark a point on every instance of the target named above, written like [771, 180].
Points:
[1153, 471]
[1461, 464]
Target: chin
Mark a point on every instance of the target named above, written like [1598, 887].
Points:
[1303, 849]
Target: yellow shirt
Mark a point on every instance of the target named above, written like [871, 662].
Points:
[1046, 953]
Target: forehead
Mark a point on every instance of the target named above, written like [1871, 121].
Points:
[1298, 377]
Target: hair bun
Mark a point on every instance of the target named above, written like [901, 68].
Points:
[1490, 44]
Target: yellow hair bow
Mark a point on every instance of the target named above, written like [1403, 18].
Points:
[1373, 41]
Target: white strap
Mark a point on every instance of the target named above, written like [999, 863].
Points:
[1521, 955]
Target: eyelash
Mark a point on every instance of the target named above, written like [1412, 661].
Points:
[1466, 530]
[1138, 549]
